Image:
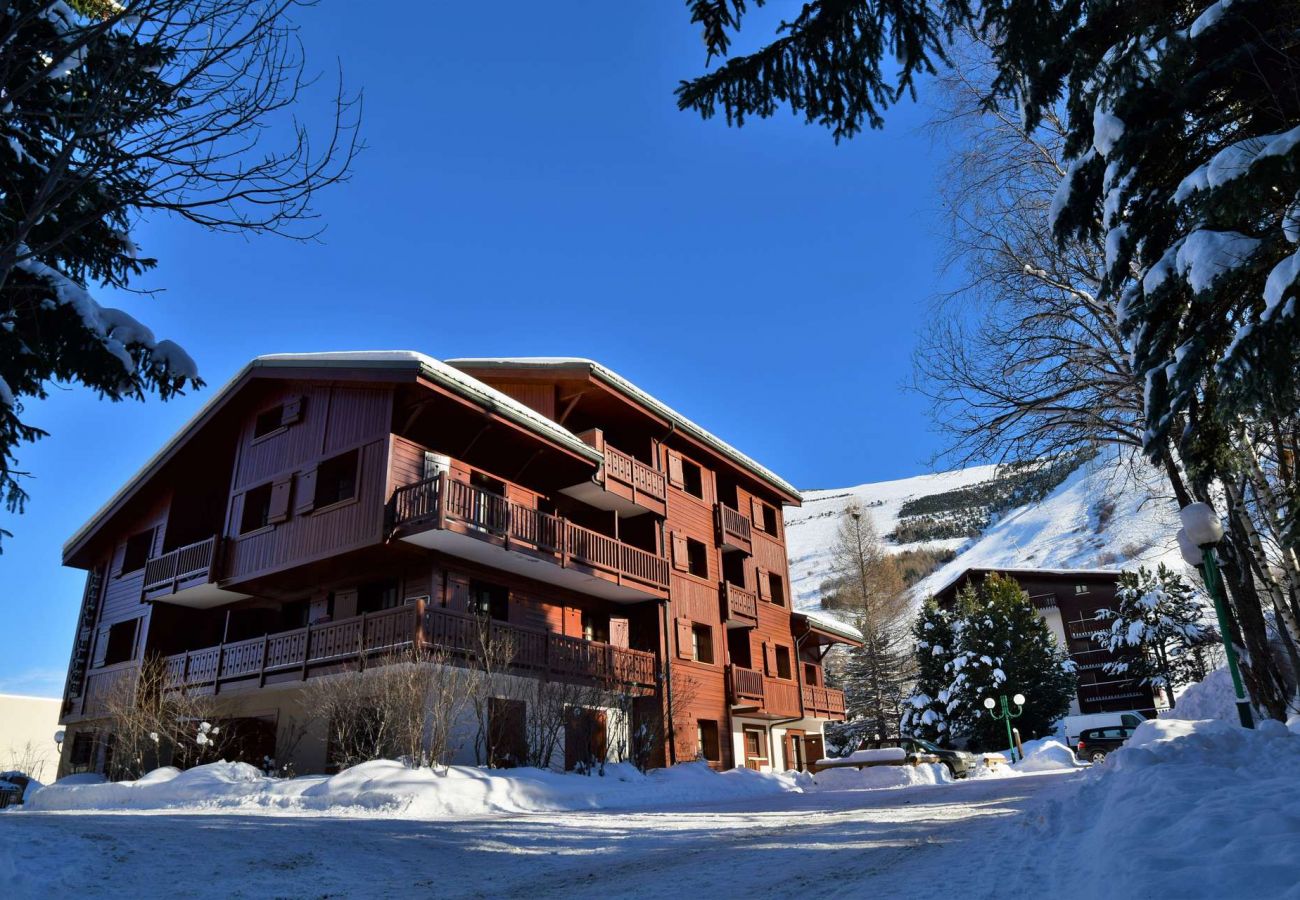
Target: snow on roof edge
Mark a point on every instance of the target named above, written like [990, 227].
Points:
[436, 369]
[829, 623]
[618, 381]
[1022, 570]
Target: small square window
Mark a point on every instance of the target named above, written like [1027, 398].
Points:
[120, 645]
[336, 479]
[138, 548]
[692, 479]
[702, 643]
[769, 520]
[257, 509]
[697, 557]
[268, 421]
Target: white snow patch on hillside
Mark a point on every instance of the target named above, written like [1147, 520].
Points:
[1112, 513]
[810, 530]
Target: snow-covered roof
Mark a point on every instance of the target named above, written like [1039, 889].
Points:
[621, 384]
[826, 622]
[433, 369]
[1028, 570]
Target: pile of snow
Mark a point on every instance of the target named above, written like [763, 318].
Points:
[1184, 809]
[1213, 698]
[878, 777]
[884, 755]
[388, 788]
[1047, 755]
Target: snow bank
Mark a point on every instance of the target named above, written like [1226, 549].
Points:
[877, 777]
[1212, 698]
[1184, 809]
[390, 789]
[1047, 755]
[884, 755]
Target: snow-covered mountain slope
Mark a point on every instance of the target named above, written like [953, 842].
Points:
[1112, 512]
[810, 530]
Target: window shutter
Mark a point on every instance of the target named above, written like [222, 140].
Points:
[684, 639]
[458, 593]
[769, 659]
[680, 553]
[675, 476]
[292, 410]
[756, 512]
[618, 632]
[101, 648]
[306, 491]
[279, 508]
[761, 585]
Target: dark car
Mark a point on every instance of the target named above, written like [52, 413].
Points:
[12, 787]
[958, 762]
[1095, 743]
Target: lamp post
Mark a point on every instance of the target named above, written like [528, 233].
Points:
[1201, 531]
[1006, 716]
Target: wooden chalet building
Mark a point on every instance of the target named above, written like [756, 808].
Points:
[323, 508]
[1068, 600]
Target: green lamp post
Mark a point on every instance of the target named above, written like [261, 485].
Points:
[1006, 716]
[1201, 531]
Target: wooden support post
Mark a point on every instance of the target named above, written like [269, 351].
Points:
[306, 649]
[261, 675]
[361, 641]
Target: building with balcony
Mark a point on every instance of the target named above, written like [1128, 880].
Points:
[1068, 600]
[325, 509]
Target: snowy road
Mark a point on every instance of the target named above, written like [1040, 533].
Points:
[924, 841]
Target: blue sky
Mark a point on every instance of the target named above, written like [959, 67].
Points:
[530, 188]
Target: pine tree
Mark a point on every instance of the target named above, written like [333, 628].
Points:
[1158, 626]
[925, 712]
[109, 112]
[998, 645]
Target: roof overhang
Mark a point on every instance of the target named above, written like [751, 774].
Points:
[394, 366]
[587, 368]
[828, 628]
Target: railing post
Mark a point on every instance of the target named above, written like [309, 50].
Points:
[564, 542]
[261, 675]
[185, 671]
[419, 623]
[440, 502]
[306, 648]
[361, 642]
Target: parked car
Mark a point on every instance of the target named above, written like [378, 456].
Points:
[958, 762]
[1075, 725]
[1095, 743]
[12, 787]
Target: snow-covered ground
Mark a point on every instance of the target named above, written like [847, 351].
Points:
[1187, 809]
[1111, 513]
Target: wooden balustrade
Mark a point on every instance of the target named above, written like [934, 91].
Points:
[168, 571]
[630, 471]
[434, 502]
[746, 684]
[332, 643]
[734, 529]
[741, 605]
[823, 702]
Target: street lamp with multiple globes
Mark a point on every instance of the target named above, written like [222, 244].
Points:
[1006, 716]
[1201, 531]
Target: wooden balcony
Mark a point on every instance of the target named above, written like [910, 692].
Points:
[624, 485]
[326, 648]
[734, 529]
[739, 606]
[823, 703]
[463, 520]
[744, 686]
[187, 576]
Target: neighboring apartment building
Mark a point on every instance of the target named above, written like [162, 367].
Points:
[28, 727]
[1068, 600]
[323, 507]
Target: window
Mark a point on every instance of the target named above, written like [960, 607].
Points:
[81, 758]
[120, 645]
[137, 551]
[1081, 589]
[769, 520]
[692, 479]
[489, 600]
[706, 738]
[702, 643]
[754, 742]
[697, 558]
[776, 588]
[336, 479]
[595, 627]
[783, 669]
[257, 509]
[376, 595]
[810, 675]
[268, 421]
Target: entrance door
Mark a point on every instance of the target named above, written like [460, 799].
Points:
[755, 747]
[793, 748]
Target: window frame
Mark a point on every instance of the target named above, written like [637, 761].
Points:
[702, 637]
[114, 635]
[317, 504]
[147, 538]
[692, 474]
[779, 652]
[244, 529]
[708, 732]
[275, 413]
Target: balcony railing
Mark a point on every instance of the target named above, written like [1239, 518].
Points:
[360, 639]
[823, 702]
[746, 684]
[633, 473]
[169, 572]
[741, 606]
[734, 529]
[435, 502]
